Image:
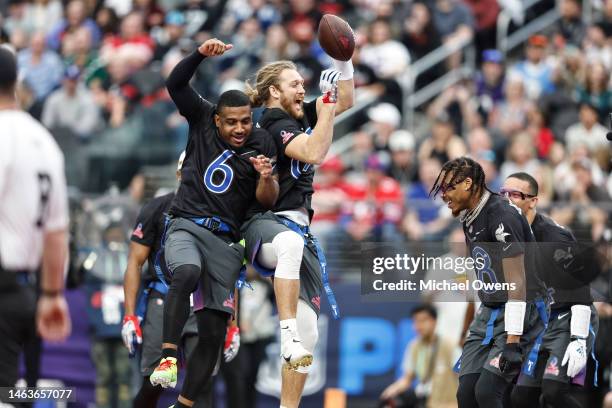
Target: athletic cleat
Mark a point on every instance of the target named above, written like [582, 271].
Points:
[165, 373]
[295, 355]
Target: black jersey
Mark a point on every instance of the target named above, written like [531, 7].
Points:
[501, 231]
[217, 179]
[294, 177]
[563, 262]
[149, 231]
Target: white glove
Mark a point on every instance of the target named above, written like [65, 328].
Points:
[131, 333]
[329, 80]
[575, 357]
[232, 344]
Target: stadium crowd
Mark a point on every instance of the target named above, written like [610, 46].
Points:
[93, 72]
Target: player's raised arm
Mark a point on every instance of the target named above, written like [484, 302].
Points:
[343, 73]
[189, 103]
[314, 147]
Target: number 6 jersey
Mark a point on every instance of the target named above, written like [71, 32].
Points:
[217, 179]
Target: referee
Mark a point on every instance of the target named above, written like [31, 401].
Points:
[33, 228]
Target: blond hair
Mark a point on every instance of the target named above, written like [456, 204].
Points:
[266, 77]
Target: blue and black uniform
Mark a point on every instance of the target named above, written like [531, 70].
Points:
[295, 181]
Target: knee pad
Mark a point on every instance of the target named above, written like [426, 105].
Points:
[289, 248]
[185, 278]
[307, 330]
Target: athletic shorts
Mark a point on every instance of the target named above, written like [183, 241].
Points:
[152, 333]
[261, 229]
[476, 356]
[219, 260]
[554, 344]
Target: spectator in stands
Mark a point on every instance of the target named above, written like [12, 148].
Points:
[386, 56]
[169, 36]
[569, 29]
[76, 16]
[485, 13]
[570, 70]
[303, 54]
[429, 360]
[152, 14]
[443, 144]
[596, 89]
[249, 41]
[384, 120]
[425, 220]
[107, 21]
[42, 15]
[535, 70]
[564, 175]
[538, 129]
[277, 44]
[521, 156]
[588, 131]
[489, 81]
[355, 158]
[77, 50]
[41, 68]
[72, 107]
[478, 140]
[133, 44]
[403, 158]
[596, 45]
[605, 22]
[487, 159]
[453, 20]
[586, 214]
[510, 116]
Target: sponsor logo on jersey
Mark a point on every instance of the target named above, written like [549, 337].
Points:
[285, 136]
[500, 233]
[495, 361]
[316, 301]
[138, 233]
[553, 367]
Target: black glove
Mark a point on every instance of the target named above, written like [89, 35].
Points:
[511, 358]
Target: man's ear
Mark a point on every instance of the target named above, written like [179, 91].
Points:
[217, 120]
[274, 92]
[468, 183]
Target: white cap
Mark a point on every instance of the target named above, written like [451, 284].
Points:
[179, 166]
[401, 140]
[385, 113]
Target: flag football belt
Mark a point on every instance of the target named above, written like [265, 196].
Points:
[213, 224]
[304, 231]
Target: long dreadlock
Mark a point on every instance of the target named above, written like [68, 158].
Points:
[461, 168]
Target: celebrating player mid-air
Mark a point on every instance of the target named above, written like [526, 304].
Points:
[228, 165]
[280, 241]
[512, 315]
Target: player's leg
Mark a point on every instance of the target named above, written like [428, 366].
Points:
[148, 394]
[189, 343]
[212, 325]
[490, 390]
[183, 259]
[293, 380]
[275, 247]
[466, 397]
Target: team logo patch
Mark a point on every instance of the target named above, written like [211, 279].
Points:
[495, 361]
[229, 302]
[138, 231]
[286, 136]
[553, 367]
[500, 234]
[316, 301]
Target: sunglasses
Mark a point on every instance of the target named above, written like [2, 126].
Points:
[515, 194]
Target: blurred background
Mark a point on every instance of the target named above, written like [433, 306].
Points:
[519, 85]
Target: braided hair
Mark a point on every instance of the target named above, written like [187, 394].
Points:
[461, 168]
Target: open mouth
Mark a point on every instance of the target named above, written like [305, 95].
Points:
[298, 104]
[238, 140]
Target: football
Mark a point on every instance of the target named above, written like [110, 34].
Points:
[336, 37]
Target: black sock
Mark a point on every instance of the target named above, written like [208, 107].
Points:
[169, 352]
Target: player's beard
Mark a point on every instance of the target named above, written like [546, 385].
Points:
[289, 105]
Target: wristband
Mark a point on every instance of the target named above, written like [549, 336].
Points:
[514, 317]
[345, 68]
[581, 320]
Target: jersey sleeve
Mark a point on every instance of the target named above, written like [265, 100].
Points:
[508, 232]
[189, 103]
[270, 151]
[145, 230]
[283, 131]
[57, 215]
[310, 109]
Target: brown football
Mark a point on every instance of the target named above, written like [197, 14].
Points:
[336, 37]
